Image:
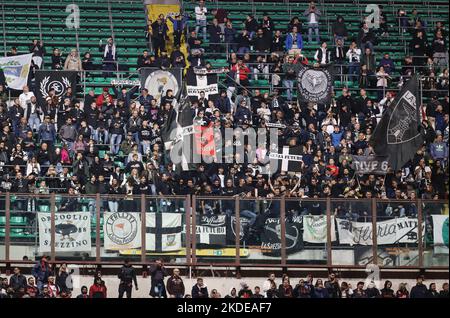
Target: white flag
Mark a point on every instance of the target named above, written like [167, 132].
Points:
[315, 229]
[122, 230]
[72, 232]
[16, 69]
[163, 232]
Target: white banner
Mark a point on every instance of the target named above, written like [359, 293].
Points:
[393, 231]
[163, 232]
[16, 69]
[122, 230]
[315, 229]
[72, 232]
[440, 234]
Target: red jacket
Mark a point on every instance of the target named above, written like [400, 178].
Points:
[101, 99]
[97, 291]
[243, 72]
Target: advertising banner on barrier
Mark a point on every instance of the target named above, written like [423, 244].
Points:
[315, 229]
[122, 230]
[163, 232]
[440, 234]
[72, 232]
[393, 231]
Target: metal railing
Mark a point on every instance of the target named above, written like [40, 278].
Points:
[252, 241]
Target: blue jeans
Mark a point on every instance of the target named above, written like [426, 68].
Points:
[315, 27]
[34, 122]
[136, 137]
[289, 85]
[105, 136]
[145, 144]
[201, 24]
[115, 143]
[353, 71]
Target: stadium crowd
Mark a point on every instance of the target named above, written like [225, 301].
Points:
[48, 281]
[111, 143]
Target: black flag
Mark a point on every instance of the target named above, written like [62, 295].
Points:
[60, 81]
[398, 135]
[314, 84]
[201, 80]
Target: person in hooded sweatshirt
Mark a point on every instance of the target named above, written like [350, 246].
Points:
[84, 292]
[232, 294]
[387, 291]
[339, 29]
[432, 291]
[420, 290]
[127, 276]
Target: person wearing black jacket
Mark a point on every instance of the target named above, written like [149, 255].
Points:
[200, 290]
[387, 291]
[419, 48]
[158, 272]
[432, 292]
[444, 292]
[251, 25]
[332, 286]
[84, 292]
[18, 283]
[262, 41]
[143, 60]
[127, 276]
[420, 290]
[339, 28]
[215, 33]
[57, 61]
[277, 42]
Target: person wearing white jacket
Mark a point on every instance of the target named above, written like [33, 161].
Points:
[25, 97]
[354, 57]
[200, 18]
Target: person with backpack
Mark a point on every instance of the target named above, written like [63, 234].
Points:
[127, 276]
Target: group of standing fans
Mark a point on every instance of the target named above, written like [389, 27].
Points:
[47, 282]
[111, 143]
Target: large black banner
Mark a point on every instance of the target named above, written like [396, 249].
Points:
[398, 135]
[60, 81]
[271, 236]
[211, 230]
[243, 231]
[158, 81]
[370, 164]
[314, 84]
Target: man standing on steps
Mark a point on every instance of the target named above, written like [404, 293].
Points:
[157, 273]
[127, 276]
[200, 18]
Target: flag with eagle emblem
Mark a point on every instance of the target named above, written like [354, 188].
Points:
[314, 84]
